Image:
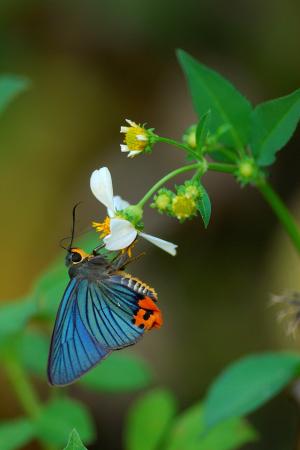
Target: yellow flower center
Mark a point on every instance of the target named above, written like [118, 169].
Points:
[103, 227]
[136, 138]
[183, 207]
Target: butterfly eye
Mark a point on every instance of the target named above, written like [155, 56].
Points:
[76, 257]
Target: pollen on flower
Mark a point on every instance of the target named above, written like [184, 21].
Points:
[136, 138]
[183, 207]
[102, 227]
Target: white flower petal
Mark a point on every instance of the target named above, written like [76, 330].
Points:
[141, 137]
[124, 129]
[131, 123]
[119, 205]
[133, 153]
[167, 246]
[122, 234]
[102, 188]
[124, 148]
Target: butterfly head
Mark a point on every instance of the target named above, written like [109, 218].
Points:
[75, 256]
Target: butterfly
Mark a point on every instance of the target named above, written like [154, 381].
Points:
[103, 309]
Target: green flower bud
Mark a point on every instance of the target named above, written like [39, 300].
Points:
[163, 200]
[189, 136]
[190, 189]
[247, 171]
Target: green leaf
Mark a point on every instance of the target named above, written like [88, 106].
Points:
[59, 417]
[10, 87]
[14, 315]
[273, 124]
[16, 434]
[188, 433]
[204, 206]
[210, 91]
[202, 131]
[75, 442]
[35, 361]
[249, 383]
[149, 420]
[119, 372]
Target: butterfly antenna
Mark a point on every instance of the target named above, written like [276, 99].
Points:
[61, 243]
[73, 224]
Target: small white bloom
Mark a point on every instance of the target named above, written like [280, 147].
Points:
[136, 139]
[122, 232]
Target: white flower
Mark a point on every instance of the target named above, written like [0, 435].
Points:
[136, 139]
[118, 232]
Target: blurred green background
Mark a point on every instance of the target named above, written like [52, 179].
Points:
[95, 63]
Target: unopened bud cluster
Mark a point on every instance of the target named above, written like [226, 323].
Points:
[181, 204]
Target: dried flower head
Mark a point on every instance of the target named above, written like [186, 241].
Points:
[289, 304]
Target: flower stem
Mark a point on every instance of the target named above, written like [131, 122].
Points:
[175, 143]
[201, 166]
[281, 211]
[222, 167]
[271, 197]
[166, 178]
[22, 386]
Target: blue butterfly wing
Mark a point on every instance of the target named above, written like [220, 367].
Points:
[73, 349]
[93, 319]
[108, 313]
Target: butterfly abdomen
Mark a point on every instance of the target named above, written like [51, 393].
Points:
[138, 286]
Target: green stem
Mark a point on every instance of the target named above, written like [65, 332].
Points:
[281, 211]
[275, 202]
[175, 144]
[166, 178]
[22, 386]
[24, 390]
[225, 151]
[222, 167]
[202, 166]
[229, 153]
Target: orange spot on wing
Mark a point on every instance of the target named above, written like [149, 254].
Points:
[149, 315]
[148, 303]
